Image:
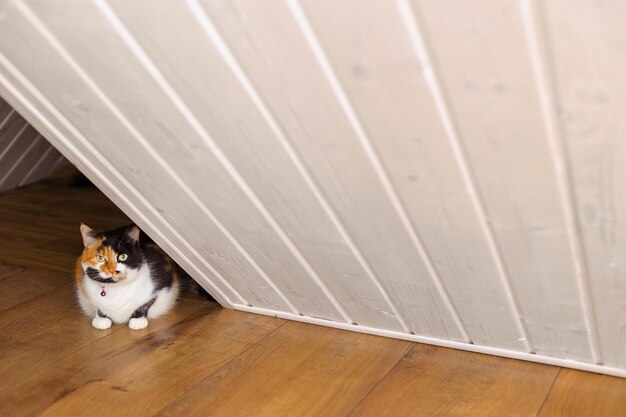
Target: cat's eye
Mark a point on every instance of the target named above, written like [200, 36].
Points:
[100, 258]
[122, 257]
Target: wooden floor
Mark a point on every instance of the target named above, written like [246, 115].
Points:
[202, 360]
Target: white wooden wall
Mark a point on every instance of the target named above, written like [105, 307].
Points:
[25, 156]
[445, 171]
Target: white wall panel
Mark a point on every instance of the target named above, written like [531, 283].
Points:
[584, 42]
[262, 157]
[397, 110]
[191, 166]
[481, 54]
[430, 170]
[317, 124]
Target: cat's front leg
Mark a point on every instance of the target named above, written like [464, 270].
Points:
[101, 321]
[139, 319]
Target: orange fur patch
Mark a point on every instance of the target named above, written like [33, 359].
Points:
[80, 277]
[79, 272]
[111, 263]
[90, 253]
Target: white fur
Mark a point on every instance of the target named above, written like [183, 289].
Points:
[102, 323]
[124, 297]
[138, 323]
[164, 302]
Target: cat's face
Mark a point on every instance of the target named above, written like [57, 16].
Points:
[110, 256]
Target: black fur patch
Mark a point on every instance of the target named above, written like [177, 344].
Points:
[119, 241]
[94, 274]
[100, 314]
[161, 271]
[188, 284]
[143, 310]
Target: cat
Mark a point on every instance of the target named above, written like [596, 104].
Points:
[122, 280]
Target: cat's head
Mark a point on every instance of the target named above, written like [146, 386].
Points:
[111, 256]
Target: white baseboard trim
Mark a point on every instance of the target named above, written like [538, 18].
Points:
[566, 363]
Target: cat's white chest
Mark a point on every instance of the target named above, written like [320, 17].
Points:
[121, 299]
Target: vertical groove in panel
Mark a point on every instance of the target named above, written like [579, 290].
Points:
[58, 162]
[7, 118]
[35, 166]
[311, 38]
[213, 34]
[23, 155]
[545, 88]
[432, 82]
[32, 90]
[147, 63]
[15, 138]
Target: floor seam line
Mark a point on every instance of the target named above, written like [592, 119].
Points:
[409, 349]
[545, 400]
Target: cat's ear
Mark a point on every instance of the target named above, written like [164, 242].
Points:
[132, 234]
[89, 237]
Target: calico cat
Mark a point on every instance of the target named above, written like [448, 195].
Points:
[122, 280]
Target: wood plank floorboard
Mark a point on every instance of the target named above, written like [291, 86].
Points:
[35, 258]
[7, 271]
[138, 372]
[164, 366]
[24, 285]
[42, 331]
[299, 370]
[432, 381]
[202, 360]
[582, 394]
[31, 389]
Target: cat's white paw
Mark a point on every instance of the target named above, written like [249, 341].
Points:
[101, 323]
[138, 323]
